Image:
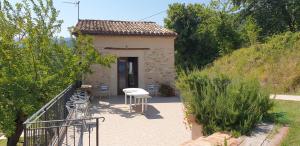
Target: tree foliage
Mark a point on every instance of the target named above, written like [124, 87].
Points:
[184, 19]
[35, 65]
[273, 16]
[250, 31]
[204, 33]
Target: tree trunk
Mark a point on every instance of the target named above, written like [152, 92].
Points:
[13, 139]
[289, 18]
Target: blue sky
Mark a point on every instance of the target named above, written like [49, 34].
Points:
[114, 10]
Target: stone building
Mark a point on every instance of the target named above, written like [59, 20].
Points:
[145, 53]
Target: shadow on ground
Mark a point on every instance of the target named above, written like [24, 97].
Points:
[115, 105]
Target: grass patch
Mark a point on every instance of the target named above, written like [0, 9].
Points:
[4, 141]
[292, 112]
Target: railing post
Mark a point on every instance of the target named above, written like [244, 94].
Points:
[34, 134]
[89, 135]
[57, 129]
[25, 135]
[46, 136]
[67, 135]
[74, 134]
[97, 132]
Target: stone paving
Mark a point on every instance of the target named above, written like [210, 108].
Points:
[161, 125]
[259, 136]
[216, 139]
[285, 97]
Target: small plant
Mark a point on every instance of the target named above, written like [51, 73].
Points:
[225, 142]
[166, 90]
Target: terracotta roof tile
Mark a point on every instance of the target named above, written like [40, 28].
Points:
[110, 27]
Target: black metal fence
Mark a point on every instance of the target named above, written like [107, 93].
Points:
[51, 126]
[54, 109]
[83, 132]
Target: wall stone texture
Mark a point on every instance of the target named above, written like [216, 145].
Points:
[155, 65]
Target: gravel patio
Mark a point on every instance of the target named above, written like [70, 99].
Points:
[161, 125]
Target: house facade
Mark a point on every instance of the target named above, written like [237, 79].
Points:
[144, 51]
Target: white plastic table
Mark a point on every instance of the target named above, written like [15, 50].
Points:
[136, 93]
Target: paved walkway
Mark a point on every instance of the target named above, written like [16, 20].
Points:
[161, 125]
[285, 97]
[216, 139]
[259, 136]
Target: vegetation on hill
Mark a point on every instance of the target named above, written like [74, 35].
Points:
[244, 41]
[276, 63]
[207, 32]
[224, 96]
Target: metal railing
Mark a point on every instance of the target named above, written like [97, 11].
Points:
[69, 132]
[54, 109]
[52, 126]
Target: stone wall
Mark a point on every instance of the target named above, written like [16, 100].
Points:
[155, 65]
[158, 66]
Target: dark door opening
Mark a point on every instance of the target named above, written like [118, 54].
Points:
[127, 73]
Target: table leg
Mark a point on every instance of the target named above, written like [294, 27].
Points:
[76, 111]
[130, 104]
[146, 104]
[143, 105]
[125, 98]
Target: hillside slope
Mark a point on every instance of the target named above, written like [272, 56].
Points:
[275, 63]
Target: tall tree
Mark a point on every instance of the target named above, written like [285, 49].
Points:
[34, 64]
[204, 33]
[226, 32]
[191, 47]
[273, 16]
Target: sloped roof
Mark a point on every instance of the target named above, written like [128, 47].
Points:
[110, 27]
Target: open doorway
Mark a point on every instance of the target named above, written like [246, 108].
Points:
[127, 73]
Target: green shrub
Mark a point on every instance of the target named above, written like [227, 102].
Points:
[221, 104]
[166, 90]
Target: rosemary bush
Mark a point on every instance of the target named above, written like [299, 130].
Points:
[222, 104]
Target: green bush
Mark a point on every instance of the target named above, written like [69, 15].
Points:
[221, 104]
[166, 90]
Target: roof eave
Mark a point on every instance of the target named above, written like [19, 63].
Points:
[123, 34]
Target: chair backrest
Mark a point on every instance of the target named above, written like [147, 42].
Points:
[156, 88]
[69, 108]
[104, 88]
[150, 87]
